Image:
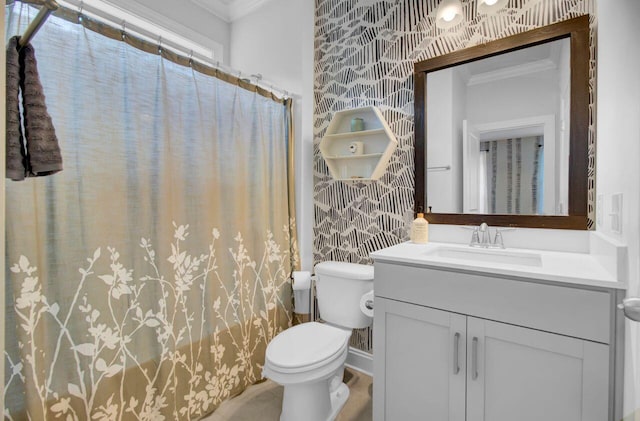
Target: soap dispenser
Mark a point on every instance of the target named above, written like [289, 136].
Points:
[420, 229]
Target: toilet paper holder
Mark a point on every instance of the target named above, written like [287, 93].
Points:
[366, 303]
[631, 307]
[302, 285]
[369, 304]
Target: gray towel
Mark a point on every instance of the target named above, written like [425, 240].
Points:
[16, 157]
[37, 153]
[43, 152]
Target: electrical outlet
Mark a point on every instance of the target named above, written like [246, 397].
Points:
[616, 213]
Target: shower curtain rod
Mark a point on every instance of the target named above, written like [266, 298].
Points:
[48, 7]
[143, 34]
[140, 30]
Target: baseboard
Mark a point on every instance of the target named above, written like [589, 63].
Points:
[360, 360]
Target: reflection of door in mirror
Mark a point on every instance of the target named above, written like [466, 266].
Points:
[500, 104]
[504, 168]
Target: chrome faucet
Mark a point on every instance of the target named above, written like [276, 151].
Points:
[481, 237]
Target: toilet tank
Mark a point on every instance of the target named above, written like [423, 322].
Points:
[339, 286]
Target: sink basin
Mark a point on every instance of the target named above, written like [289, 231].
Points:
[487, 256]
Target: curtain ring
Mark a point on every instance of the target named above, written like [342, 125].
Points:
[123, 32]
[191, 58]
[160, 45]
[80, 10]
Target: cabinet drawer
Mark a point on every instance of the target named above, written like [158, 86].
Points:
[567, 311]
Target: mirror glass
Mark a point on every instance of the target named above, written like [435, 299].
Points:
[498, 133]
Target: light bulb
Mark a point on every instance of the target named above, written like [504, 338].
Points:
[449, 14]
[491, 6]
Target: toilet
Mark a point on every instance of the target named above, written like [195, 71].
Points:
[308, 359]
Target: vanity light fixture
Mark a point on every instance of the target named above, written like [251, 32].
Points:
[491, 6]
[449, 14]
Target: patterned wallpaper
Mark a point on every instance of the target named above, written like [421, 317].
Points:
[364, 55]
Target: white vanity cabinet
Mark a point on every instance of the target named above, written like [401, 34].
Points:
[525, 374]
[417, 346]
[454, 345]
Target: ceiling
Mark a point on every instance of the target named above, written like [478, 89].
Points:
[230, 10]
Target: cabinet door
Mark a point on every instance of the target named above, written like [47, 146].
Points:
[417, 376]
[514, 373]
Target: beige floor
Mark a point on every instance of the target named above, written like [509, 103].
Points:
[264, 401]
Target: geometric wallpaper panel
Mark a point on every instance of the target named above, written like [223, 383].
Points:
[364, 55]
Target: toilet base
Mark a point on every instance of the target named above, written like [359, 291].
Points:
[313, 401]
[338, 399]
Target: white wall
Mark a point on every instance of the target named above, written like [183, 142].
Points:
[618, 153]
[277, 42]
[459, 114]
[440, 184]
[2, 215]
[535, 94]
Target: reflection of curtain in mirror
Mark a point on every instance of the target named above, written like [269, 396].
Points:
[515, 172]
[145, 280]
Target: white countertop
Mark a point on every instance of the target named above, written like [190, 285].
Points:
[568, 267]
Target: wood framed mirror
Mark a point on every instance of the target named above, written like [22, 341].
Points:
[496, 165]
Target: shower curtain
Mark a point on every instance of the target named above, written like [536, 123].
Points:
[145, 280]
[515, 171]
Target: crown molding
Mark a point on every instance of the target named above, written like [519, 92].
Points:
[512, 71]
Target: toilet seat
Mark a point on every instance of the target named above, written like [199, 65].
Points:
[305, 347]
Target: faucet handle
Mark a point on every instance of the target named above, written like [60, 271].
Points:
[498, 241]
[475, 238]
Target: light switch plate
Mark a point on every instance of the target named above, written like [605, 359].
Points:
[616, 213]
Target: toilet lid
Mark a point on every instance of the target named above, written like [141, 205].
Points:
[345, 270]
[306, 344]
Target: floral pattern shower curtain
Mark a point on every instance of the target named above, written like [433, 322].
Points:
[145, 280]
